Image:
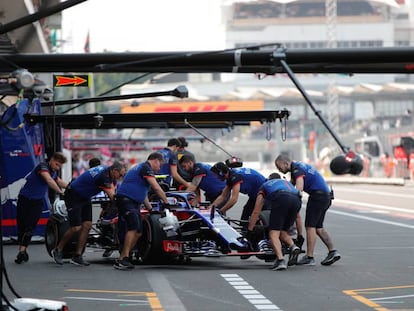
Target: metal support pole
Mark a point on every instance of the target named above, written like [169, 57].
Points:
[38, 15]
[309, 101]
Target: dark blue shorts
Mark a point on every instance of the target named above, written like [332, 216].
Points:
[79, 209]
[318, 204]
[284, 207]
[129, 213]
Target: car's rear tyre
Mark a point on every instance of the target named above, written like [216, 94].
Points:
[150, 245]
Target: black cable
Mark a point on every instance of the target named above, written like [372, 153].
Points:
[3, 296]
[4, 272]
[109, 91]
[125, 83]
[6, 276]
[7, 303]
[4, 60]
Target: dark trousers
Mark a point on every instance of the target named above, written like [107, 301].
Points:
[27, 215]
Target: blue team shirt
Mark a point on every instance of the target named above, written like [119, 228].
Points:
[313, 180]
[36, 187]
[169, 159]
[92, 181]
[210, 183]
[135, 185]
[274, 185]
[250, 180]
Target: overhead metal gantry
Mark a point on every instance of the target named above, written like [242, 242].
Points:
[266, 61]
[278, 60]
[226, 119]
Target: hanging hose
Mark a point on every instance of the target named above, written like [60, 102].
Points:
[268, 132]
[206, 137]
[232, 162]
[283, 129]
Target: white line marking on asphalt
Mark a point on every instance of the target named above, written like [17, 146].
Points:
[394, 297]
[254, 296]
[374, 212]
[383, 193]
[243, 287]
[234, 279]
[384, 207]
[249, 292]
[239, 283]
[259, 301]
[382, 221]
[142, 302]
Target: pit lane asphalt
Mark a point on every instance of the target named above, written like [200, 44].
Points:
[375, 271]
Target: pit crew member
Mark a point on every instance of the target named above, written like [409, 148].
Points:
[30, 200]
[238, 180]
[202, 178]
[306, 178]
[131, 193]
[78, 203]
[285, 202]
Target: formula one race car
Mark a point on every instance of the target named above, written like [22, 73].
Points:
[178, 231]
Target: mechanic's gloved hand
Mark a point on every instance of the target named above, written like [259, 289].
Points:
[249, 235]
[62, 196]
[250, 240]
[223, 214]
[166, 205]
[299, 241]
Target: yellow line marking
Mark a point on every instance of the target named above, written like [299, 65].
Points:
[153, 300]
[354, 293]
[361, 299]
[155, 303]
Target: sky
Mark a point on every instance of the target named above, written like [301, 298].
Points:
[143, 25]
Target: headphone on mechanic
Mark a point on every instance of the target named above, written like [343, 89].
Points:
[220, 169]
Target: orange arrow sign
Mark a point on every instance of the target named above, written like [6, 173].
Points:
[71, 80]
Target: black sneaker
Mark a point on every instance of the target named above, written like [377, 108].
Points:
[331, 258]
[79, 261]
[21, 257]
[280, 264]
[293, 255]
[306, 261]
[123, 264]
[57, 256]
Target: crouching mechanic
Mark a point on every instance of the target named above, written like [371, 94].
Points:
[202, 178]
[131, 193]
[285, 203]
[238, 180]
[78, 202]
